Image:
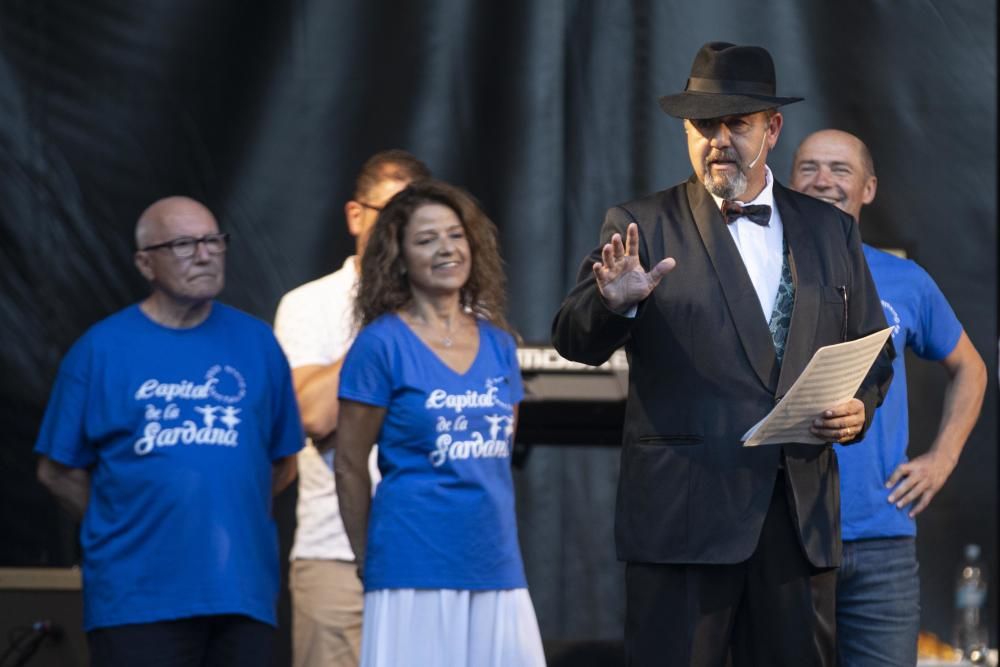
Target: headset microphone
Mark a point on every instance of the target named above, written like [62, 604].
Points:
[751, 165]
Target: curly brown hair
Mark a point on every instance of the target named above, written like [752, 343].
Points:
[384, 287]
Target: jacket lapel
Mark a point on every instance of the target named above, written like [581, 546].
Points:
[741, 299]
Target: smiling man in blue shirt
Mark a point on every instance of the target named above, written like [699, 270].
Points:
[882, 491]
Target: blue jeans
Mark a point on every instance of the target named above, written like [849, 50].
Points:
[878, 604]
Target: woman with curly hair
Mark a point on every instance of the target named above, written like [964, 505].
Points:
[433, 378]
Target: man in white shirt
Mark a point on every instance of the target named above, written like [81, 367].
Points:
[314, 324]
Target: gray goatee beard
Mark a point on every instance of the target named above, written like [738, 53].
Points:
[724, 186]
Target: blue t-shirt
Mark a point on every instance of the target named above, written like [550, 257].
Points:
[443, 515]
[922, 320]
[178, 428]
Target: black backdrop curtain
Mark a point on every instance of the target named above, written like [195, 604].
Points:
[546, 111]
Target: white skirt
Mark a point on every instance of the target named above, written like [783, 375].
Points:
[450, 628]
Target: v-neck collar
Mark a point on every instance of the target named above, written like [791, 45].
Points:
[433, 352]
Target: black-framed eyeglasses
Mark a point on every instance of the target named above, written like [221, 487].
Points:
[371, 206]
[186, 246]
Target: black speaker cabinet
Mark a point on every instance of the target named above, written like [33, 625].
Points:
[42, 607]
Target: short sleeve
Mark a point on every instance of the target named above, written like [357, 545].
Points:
[300, 330]
[63, 434]
[939, 329]
[516, 385]
[287, 436]
[366, 376]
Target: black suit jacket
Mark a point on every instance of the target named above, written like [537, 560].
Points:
[703, 370]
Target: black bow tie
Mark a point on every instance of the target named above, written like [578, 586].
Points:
[757, 213]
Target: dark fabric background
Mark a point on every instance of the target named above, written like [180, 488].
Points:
[546, 111]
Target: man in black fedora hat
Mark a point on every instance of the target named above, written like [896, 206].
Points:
[730, 550]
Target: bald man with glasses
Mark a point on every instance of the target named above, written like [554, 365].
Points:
[170, 426]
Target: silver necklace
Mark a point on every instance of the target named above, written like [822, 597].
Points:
[445, 339]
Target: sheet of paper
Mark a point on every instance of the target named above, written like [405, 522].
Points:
[831, 377]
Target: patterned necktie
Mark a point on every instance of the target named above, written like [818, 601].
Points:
[757, 213]
[781, 316]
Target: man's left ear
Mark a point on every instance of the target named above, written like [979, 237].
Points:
[353, 213]
[774, 129]
[868, 193]
[141, 260]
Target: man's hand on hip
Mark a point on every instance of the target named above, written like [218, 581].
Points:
[919, 481]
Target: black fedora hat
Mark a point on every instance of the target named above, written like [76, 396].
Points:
[727, 79]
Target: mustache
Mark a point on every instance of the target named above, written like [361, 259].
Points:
[726, 155]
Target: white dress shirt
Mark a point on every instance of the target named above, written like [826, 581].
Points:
[761, 247]
[314, 327]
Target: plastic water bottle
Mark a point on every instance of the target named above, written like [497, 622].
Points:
[971, 636]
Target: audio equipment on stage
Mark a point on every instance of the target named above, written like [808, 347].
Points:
[569, 403]
[41, 617]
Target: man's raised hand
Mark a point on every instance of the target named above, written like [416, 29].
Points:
[621, 279]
